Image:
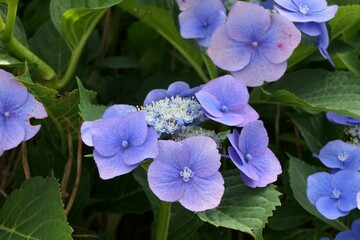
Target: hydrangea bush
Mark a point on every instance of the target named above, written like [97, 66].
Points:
[179, 119]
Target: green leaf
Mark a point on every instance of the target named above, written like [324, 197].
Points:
[243, 208]
[161, 20]
[343, 2]
[89, 111]
[351, 61]
[183, 223]
[345, 18]
[299, 172]
[318, 90]
[315, 129]
[34, 212]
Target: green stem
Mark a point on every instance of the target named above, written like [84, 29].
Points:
[19, 50]
[10, 19]
[164, 221]
[211, 68]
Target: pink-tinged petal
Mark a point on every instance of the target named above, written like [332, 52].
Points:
[12, 133]
[287, 5]
[318, 186]
[173, 153]
[245, 168]
[260, 70]
[165, 181]
[204, 155]
[327, 207]
[247, 22]
[267, 168]
[209, 102]
[87, 129]
[192, 28]
[254, 139]
[110, 167]
[203, 193]
[150, 149]
[118, 110]
[13, 94]
[249, 115]
[227, 53]
[279, 42]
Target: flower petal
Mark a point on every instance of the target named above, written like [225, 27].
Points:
[318, 186]
[245, 168]
[12, 133]
[327, 207]
[289, 5]
[209, 103]
[202, 194]
[155, 95]
[118, 110]
[13, 94]
[254, 139]
[192, 28]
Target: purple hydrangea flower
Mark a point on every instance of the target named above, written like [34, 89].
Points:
[254, 45]
[334, 195]
[185, 4]
[121, 141]
[250, 153]
[306, 10]
[179, 88]
[353, 234]
[339, 155]
[188, 172]
[342, 119]
[17, 107]
[200, 21]
[225, 100]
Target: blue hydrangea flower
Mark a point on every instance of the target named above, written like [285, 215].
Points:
[188, 172]
[17, 107]
[334, 195]
[179, 88]
[339, 155]
[353, 234]
[342, 119]
[306, 10]
[120, 143]
[253, 45]
[250, 153]
[225, 100]
[199, 22]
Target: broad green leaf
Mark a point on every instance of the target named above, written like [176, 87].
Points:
[299, 172]
[89, 111]
[161, 20]
[48, 44]
[315, 129]
[345, 18]
[34, 212]
[243, 208]
[351, 61]
[318, 90]
[183, 223]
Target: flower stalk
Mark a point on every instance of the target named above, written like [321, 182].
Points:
[164, 221]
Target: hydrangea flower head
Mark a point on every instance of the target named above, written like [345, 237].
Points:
[339, 155]
[17, 107]
[188, 172]
[334, 195]
[225, 100]
[353, 234]
[306, 10]
[342, 119]
[253, 45]
[199, 22]
[250, 153]
[179, 88]
[120, 142]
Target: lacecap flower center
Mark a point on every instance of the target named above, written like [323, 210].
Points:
[124, 143]
[336, 194]
[186, 174]
[303, 9]
[6, 114]
[343, 156]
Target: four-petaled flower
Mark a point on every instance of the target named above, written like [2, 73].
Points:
[334, 195]
[250, 153]
[17, 107]
[199, 22]
[225, 100]
[339, 155]
[121, 140]
[188, 172]
[253, 45]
